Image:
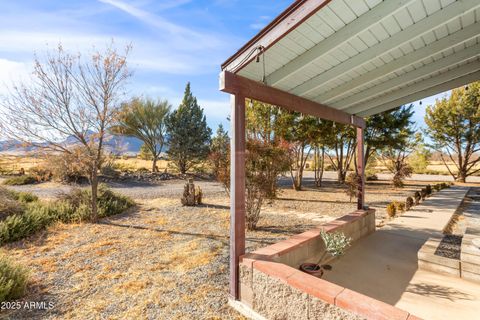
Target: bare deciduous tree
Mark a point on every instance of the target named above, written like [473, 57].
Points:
[343, 144]
[68, 106]
[395, 156]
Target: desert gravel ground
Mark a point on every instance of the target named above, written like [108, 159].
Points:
[157, 261]
[161, 260]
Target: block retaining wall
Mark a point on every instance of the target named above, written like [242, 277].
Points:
[272, 285]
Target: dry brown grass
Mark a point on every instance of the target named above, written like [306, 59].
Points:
[16, 162]
[165, 261]
[132, 286]
[47, 264]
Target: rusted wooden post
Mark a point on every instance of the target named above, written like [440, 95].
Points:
[237, 189]
[361, 168]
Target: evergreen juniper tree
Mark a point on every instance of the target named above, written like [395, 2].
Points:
[219, 151]
[188, 134]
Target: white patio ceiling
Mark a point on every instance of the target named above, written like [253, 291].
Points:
[367, 56]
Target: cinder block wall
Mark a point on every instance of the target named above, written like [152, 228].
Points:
[272, 285]
[308, 246]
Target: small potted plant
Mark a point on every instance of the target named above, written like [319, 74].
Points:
[335, 245]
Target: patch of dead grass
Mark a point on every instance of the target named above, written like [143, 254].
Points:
[47, 264]
[132, 286]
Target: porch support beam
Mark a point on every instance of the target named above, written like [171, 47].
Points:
[235, 84]
[237, 190]
[360, 169]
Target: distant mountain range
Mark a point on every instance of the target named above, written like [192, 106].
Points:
[118, 144]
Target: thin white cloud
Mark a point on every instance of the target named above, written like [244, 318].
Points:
[217, 110]
[257, 26]
[146, 54]
[189, 36]
[165, 5]
[261, 23]
[11, 71]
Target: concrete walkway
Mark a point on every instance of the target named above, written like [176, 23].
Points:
[384, 265]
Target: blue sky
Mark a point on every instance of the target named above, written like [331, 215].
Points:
[174, 41]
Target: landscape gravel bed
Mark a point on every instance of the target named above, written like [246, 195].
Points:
[450, 247]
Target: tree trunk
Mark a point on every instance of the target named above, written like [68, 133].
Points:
[182, 167]
[340, 175]
[154, 164]
[322, 168]
[319, 158]
[462, 176]
[94, 185]
[296, 180]
[296, 185]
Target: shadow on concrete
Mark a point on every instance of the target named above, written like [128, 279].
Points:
[438, 291]
[383, 264]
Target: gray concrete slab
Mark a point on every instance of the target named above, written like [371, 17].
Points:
[384, 265]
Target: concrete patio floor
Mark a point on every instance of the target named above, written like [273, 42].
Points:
[384, 265]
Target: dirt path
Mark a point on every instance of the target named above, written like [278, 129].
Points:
[133, 189]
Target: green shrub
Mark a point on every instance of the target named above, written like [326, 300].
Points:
[18, 226]
[423, 193]
[417, 197]
[428, 189]
[8, 203]
[24, 197]
[72, 207]
[391, 210]
[437, 187]
[12, 202]
[109, 202]
[13, 279]
[20, 180]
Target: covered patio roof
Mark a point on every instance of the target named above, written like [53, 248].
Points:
[365, 56]
[343, 60]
